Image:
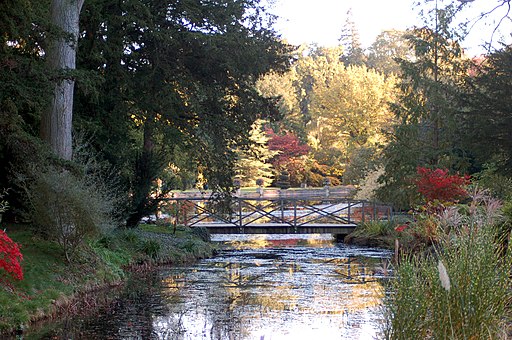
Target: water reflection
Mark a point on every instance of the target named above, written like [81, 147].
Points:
[257, 288]
[298, 288]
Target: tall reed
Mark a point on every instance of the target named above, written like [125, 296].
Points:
[460, 291]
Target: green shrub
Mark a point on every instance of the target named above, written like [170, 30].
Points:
[376, 228]
[66, 207]
[202, 233]
[151, 248]
[107, 242]
[112, 259]
[491, 179]
[131, 237]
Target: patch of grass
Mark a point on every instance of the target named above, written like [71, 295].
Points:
[45, 271]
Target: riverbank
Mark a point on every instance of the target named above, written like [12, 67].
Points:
[51, 284]
[381, 234]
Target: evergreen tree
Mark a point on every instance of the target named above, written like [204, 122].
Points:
[176, 76]
[24, 89]
[253, 161]
[353, 53]
[486, 122]
[426, 110]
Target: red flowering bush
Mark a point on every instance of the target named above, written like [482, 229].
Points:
[438, 185]
[10, 257]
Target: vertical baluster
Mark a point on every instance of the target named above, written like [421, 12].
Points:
[295, 215]
[363, 212]
[241, 222]
[348, 212]
[282, 210]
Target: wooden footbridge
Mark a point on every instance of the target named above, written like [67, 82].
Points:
[276, 214]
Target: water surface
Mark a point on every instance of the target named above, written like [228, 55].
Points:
[258, 287]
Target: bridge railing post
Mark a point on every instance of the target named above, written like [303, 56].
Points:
[295, 215]
[348, 212]
[363, 211]
[281, 202]
[241, 222]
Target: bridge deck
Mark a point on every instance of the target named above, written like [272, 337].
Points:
[278, 228]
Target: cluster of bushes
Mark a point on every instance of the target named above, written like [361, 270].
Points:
[460, 289]
[452, 280]
[68, 238]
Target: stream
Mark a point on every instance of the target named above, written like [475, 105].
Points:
[258, 287]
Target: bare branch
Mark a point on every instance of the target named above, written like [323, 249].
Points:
[501, 20]
[491, 11]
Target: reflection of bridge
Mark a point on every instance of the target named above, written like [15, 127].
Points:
[276, 215]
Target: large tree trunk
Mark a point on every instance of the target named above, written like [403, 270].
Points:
[56, 123]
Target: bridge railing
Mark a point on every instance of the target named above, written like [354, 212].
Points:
[292, 211]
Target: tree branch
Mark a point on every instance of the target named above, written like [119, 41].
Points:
[485, 14]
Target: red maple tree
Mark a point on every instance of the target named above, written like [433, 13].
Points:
[438, 185]
[288, 145]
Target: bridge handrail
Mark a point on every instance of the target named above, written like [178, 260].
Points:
[297, 214]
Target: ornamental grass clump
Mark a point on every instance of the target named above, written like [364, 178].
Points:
[461, 289]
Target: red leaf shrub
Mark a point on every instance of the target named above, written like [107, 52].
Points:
[10, 257]
[288, 145]
[439, 185]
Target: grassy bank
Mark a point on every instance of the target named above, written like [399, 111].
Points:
[384, 234]
[50, 282]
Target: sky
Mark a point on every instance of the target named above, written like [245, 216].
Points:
[321, 21]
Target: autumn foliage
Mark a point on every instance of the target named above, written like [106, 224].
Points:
[10, 258]
[438, 185]
[288, 145]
